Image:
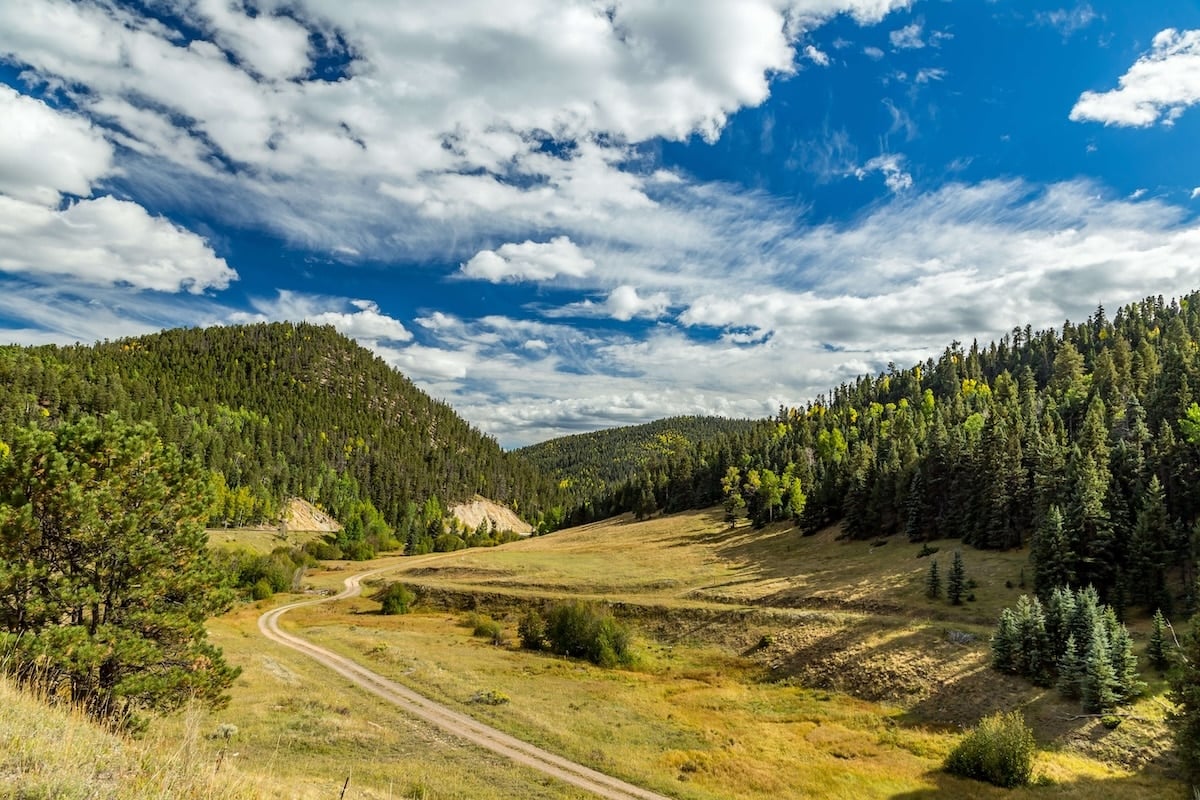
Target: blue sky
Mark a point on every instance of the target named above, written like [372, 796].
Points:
[572, 215]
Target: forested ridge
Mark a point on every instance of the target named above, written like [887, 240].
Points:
[1076, 441]
[590, 466]
[278, 410]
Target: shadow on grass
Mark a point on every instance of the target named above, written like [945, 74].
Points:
[1135, 786]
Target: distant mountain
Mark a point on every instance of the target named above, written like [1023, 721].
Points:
[590, 466]
[280, 410]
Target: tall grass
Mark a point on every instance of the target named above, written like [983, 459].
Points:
[57, 752]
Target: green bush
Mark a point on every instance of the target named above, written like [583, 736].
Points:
[262, 589]
[999, 750]
[532, 630]
[487, 628]
[395, 599]
[583, 630]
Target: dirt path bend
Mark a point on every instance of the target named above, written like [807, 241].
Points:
[446, 718]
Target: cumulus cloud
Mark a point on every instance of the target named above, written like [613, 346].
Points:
[1196, 192]
[366, 323]
[907, 38]
[45, 153]
[818, 57]
[429, 131]
[929, 75]
[531, 261]
[1158, 88]
[106, 241]
[891, 166]
[873, 53]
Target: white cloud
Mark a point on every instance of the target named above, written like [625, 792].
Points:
[534, 261]
[1137, 194]
[366, 324]
[1158, 88]
[1196, 192]
[624, 304]
[44, 153]
[428, 139]
[908, 37]
[106, 241]
[891, 166]
[873, 53]
[930, 74]
[1069, 21]
[818, 57]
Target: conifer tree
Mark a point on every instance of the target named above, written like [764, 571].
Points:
[1129, 683]
[1156, 648]
[1185, 693]
[1099, 687]
[1070, 671]
[957, 581]
[1004, 643]
[933, 582]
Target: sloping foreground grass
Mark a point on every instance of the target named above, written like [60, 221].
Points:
[59, 754]
[692, 721]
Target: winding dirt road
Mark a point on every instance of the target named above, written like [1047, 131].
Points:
[445, 718]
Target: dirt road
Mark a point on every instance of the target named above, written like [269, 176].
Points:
[445, 718]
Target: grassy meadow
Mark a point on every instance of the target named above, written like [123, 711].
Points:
[767, 665]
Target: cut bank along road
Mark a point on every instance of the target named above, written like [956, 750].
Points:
[445, 718]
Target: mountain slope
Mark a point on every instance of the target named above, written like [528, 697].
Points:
[281, 410]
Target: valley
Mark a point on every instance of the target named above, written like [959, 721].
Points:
[764, 668]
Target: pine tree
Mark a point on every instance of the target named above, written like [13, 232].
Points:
[1070, 671]
[1052, 557]
[1185, 693]
[1099, 688]
[957, 581]
[933, 583]
[1156, 648]
[1125, 668]
[1004, 643]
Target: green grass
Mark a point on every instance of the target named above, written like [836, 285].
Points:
[770, 664]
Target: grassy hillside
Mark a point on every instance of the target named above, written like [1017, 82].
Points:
[770, 664]
[52, 752]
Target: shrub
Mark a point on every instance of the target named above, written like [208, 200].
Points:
[532, 630]
[396, 599]
[583, 630]
[999, 750]
[487, 628]
[261, 590]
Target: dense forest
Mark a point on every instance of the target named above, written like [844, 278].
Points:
[280, 410]
[1078, 442]
[590, 466]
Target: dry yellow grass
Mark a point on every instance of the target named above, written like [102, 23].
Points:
[713, 709]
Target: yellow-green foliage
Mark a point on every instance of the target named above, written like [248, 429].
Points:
[55, 752]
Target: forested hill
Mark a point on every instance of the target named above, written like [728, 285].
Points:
[1081, 442]
[278, 410]
[590, 466]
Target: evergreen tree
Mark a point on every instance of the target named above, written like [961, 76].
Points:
[933, 582]
[1004, 643]
[105, 577]
[1156, 648]
[1185, 693]
[1052, 557]
[957, 581]
[1129, 683]
[1099, 687]
[1070, 671]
